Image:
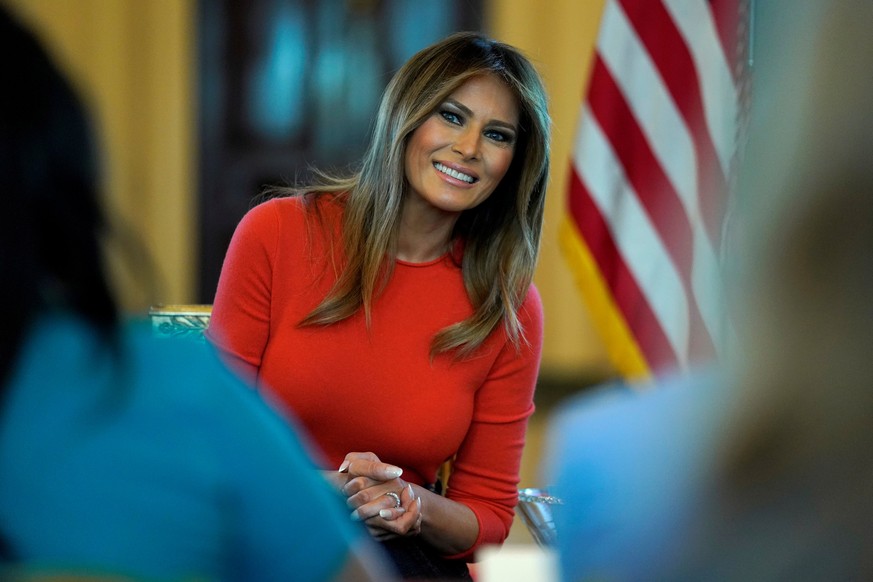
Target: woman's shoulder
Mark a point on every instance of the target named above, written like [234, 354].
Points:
[276, 208]
[532, 299]
[282, 211]
[330, 202]
[531, 311]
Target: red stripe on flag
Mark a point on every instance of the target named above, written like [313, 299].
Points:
[665, 44]
[653, 189]
[631, 301]
[726, 14]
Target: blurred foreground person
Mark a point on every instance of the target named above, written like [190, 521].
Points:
[765, 470]
[121, 455]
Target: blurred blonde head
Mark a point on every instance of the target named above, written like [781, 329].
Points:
[796, 465]
[805, 361]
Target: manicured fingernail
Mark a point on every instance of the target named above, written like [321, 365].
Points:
[418, 501]
[355, 515]
[384, 513]
[394, 472]
[411, 491]
[343, 467]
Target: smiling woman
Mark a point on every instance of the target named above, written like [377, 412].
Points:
[392, 311]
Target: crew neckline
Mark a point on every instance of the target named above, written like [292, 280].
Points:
[429, 263]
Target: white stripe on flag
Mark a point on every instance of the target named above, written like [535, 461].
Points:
[697, 26]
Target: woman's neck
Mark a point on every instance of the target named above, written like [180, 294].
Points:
[425, 234]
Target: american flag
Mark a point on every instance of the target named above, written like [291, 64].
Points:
[649, 178]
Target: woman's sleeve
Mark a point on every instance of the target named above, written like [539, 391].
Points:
[240, 322]
[485, 473]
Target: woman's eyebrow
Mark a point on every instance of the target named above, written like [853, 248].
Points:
[467, 111]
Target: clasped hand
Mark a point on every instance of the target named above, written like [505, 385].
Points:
[366, 484]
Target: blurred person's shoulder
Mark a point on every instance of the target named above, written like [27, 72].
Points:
[640, 406]
[633, 434]
[185, 370]
[631, 465]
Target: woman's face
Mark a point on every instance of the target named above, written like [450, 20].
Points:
[457, 157]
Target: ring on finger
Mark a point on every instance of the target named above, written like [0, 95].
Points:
[395, 497]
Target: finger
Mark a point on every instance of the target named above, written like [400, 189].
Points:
[372, 510]
[373, 469]
[408, 523]
[407, 495]
[384, 506]
[419, 519]
[397, 510]
[344, 466]
[357, 484]
[407, 498]
[368, 491]
[369, 495]
[416, 517]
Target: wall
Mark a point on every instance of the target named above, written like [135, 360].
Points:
[133, 61]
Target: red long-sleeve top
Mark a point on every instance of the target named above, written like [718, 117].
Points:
[377, 389]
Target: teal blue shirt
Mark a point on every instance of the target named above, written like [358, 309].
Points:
[156, 463]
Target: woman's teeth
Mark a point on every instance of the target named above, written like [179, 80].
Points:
[454, 173]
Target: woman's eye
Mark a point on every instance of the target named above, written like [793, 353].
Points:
[451, 117]
[498, 136]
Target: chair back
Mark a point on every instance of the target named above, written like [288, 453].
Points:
[189, 321]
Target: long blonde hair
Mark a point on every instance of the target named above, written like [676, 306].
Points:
[501, 236]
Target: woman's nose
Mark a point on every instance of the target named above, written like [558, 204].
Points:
[467, 143]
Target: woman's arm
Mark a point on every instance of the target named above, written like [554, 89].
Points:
[485, 471]
[483, 487]
[240, 322]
